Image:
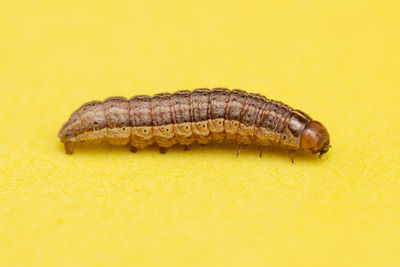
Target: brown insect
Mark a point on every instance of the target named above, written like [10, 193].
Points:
[200, 116]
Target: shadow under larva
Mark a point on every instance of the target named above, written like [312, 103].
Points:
[199, 116]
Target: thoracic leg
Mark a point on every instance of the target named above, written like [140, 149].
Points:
[239, 150]
[291, 154]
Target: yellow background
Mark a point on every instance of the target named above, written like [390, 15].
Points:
[339, 61]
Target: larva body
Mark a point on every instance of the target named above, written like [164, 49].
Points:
[201, 116]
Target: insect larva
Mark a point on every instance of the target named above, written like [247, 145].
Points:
[200, 116]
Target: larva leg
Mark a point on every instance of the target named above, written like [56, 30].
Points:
[260, 151]
[163, 150]
[291, 154]
[239, 149]
[186, 147]
[133, 149]
[69, 147]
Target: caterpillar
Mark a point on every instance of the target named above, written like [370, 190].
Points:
[200, 116]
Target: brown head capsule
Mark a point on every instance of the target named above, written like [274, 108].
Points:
[315, 139]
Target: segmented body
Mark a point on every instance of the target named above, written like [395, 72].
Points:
[186, 117]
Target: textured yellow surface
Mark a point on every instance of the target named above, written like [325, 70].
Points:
[339, 61]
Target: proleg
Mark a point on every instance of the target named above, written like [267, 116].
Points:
[198, 116]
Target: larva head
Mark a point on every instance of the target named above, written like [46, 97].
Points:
[315, 139]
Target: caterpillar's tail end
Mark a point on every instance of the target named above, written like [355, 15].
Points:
[66, 132]
[68, 138]
[69, 147]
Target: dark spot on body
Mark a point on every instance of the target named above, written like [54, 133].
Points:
[271, 124]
